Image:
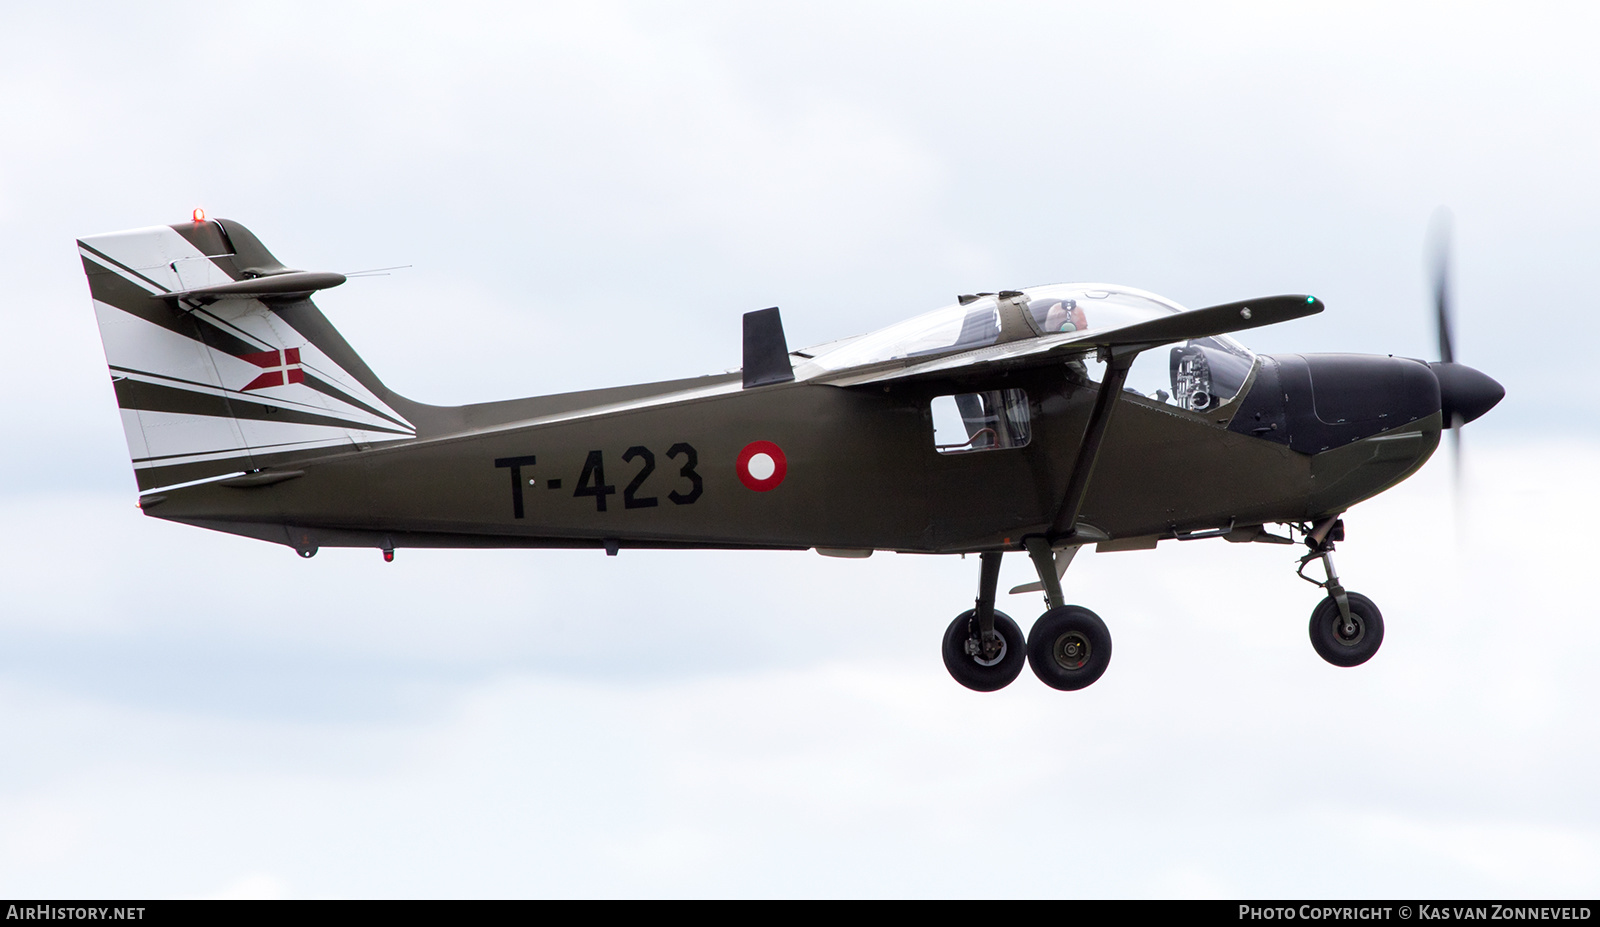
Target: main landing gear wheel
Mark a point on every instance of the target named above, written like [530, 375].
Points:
[1344, 644]
[968, 664]
[1069, 647]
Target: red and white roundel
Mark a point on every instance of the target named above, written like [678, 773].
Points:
[762, 466]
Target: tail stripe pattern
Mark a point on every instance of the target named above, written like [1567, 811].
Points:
[218, 389]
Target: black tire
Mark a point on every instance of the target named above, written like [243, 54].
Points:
[967, 669]
[1330, 641]
[1069, 647]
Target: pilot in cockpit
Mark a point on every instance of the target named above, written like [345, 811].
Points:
[1064, 316]
[1054, 316]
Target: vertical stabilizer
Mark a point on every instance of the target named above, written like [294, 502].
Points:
[224, 382]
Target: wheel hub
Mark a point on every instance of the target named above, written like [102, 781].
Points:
[986, 653]
[1348, 632]
[1071, 650]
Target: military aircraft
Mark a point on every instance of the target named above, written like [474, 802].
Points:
[1036, 420]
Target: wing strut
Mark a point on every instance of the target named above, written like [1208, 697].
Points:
[1065, 527]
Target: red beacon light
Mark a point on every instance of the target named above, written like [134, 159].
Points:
[199, 214]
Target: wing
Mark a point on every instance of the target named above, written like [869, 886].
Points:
[1054, 349]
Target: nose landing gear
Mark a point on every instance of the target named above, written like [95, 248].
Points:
[1342, 641]
[1346, 628]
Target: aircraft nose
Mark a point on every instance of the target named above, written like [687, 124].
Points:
[1464, 392]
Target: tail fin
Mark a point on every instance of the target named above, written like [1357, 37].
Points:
[215, 377]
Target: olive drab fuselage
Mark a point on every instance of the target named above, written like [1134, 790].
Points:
[862, 473]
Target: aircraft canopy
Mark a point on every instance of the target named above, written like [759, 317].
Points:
[1199, 374]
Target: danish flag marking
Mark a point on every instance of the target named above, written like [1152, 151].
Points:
[283, 367]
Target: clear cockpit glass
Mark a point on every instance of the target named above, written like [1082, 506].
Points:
[1071, 307]
[1199, 375]
[961, 327]
[1205, 373]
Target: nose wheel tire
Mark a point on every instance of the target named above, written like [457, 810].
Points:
[973, 669]
[1069, 647]
[1342, 644]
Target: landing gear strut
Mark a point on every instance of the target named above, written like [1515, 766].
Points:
[1346, 628]
[984, 649]
[1069, 646]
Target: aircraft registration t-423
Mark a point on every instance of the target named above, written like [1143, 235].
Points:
[1037, 420]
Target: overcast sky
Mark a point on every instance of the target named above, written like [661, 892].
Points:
[591, 194]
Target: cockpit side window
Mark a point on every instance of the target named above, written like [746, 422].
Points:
[986, 421]
[1206, 373]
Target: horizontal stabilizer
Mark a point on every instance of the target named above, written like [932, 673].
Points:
[279, 286]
